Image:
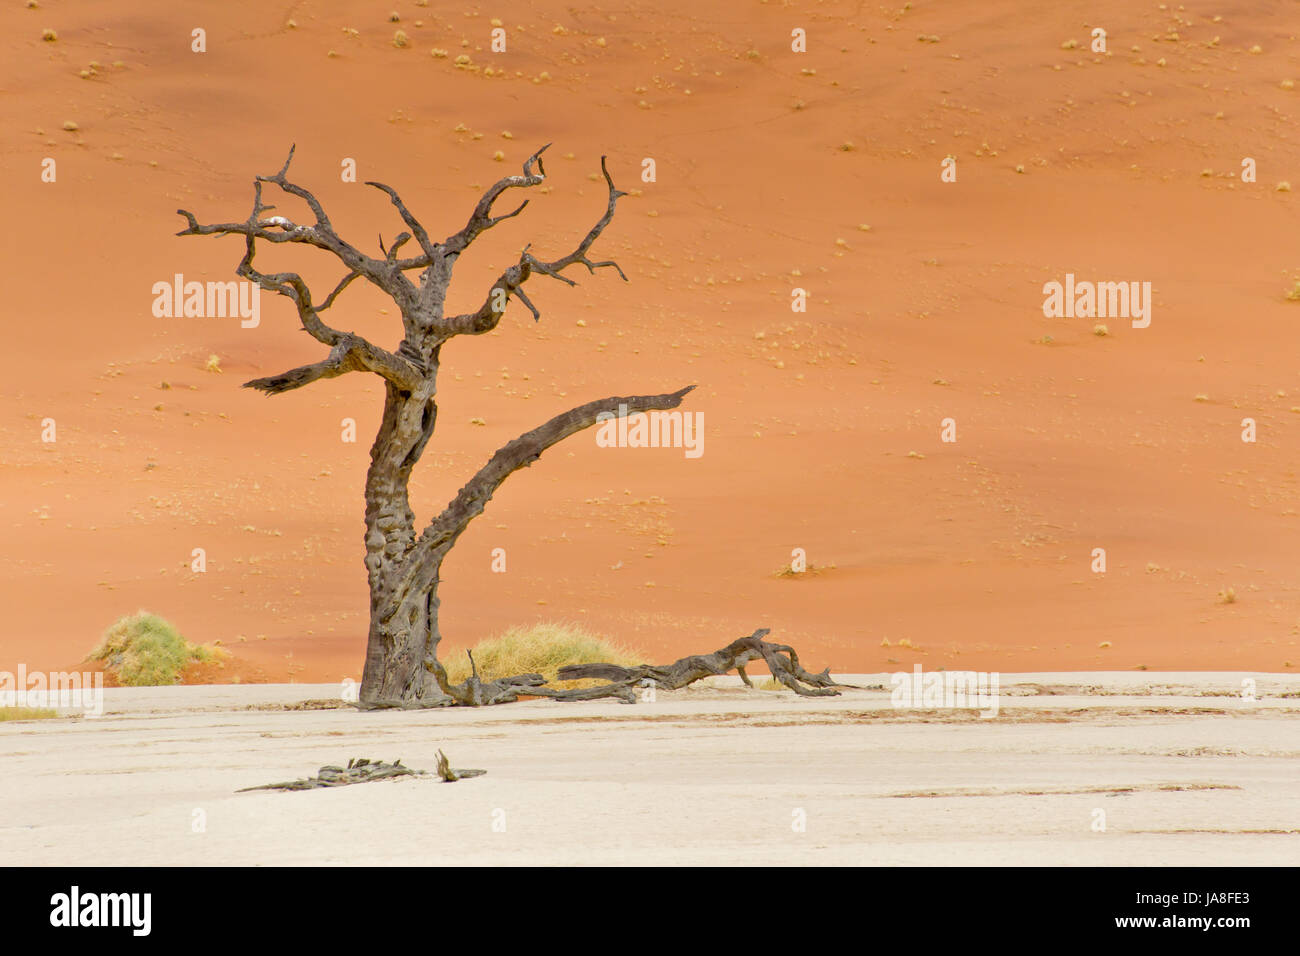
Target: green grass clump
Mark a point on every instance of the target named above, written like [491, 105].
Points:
[539, 649]
[145, 651]
[26, 713]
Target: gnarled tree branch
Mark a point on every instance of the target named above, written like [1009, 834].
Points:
[510, 282]
[351, 354]
[781, 660]
[481, 218]
[417, 229]
[349, 351]
[321, 234]
[472, 499]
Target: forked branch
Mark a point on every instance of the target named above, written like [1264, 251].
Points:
[481, 218]
[321, 234]
[351, 354]
[349, 351]
[417, 229]
[509, 283]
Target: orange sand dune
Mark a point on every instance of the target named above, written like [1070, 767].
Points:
[822, 429]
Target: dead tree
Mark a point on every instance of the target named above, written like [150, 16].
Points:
[402, 667]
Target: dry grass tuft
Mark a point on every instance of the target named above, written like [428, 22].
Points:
[26, 713]
[144, 650]
[540, 649]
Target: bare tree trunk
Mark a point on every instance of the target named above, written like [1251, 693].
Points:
[399, 636]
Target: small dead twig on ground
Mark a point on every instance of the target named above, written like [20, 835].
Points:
[362, 770]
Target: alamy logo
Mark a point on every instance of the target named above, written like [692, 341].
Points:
[1098, 300]
[652, 430]
[211, 300]
[74, 908]
[950, 690]
[53, 689]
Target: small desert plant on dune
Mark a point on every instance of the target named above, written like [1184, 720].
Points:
[26, 713]
[143, 650]
[789, 570]
[539, 649]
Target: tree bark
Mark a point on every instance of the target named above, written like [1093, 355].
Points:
[401, 624]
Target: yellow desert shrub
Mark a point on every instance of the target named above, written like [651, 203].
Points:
[538, 649]
[143, 650]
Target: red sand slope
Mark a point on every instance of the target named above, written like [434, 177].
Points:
[976, 554]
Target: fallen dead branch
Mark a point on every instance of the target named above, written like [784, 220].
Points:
[781, 661]
[361, 770]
